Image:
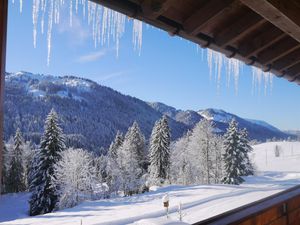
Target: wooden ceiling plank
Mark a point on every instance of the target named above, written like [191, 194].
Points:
[288, 61]
[238, 28]
[278, 50]
[205, 15]
[251, 47]
[294, 70]
[281, 13]
[154, 9]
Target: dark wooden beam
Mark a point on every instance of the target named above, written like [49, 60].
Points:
[288, 61]
[281, 13]
[270, 35]
[3, 33]
[238, 28]
[154, 8]
[278, 50]
[203, 16]
[292, 72]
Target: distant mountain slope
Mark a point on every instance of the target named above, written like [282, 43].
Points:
[90, 113]
[258, 130]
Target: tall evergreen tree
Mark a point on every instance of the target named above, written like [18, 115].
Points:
[233, 157]
[115, 145]
[45, 195]
[130, 160]
[160, 152]
[15, 178]
[112, 168]
[246, 148]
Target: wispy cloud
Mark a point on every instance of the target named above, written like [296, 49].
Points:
[111, 76]
[93, 56]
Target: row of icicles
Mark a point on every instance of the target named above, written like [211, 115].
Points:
[109, 25]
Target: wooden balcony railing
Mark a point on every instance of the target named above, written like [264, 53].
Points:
[279, 209]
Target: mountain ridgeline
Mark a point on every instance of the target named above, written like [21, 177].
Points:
[91, 114]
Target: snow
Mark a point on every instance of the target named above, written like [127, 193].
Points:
[263, 123]
[32, 81]
[216, 115]
[198, 202]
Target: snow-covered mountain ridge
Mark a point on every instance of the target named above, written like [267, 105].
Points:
[259, 130]
[91, 114]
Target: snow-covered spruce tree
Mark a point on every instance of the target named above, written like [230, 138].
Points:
[15, 178]
[201, 153]
[112, 169]
[217, 152]
[130, 158]
[75, 176]
[180, 171]
[160, 152]
[28, 155]
[45, 195]
[232, 157]
[246, 148]
[115, 145]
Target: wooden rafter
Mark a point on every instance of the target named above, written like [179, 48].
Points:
[290, 60]
[281, 13]
[240, 27]
[3, 32]
[154, 9]
[203, 16]
[278, 50]
[269, 36]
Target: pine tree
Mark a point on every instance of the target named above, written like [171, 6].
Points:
[160, 152]
[115, 145]
[233, 157]
[16, 179]
[112, 168]
[45, 195]
[130, 160]
[137, 140]
[180, 170]
[245, 148]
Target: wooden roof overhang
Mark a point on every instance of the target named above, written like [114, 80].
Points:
[262, 33]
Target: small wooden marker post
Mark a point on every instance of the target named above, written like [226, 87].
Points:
[166, 201]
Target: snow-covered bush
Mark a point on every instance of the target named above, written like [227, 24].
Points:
[75, 177]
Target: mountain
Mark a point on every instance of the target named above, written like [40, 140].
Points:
[257, 129]
[91, 114]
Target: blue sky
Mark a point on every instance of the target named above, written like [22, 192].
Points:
[169, 69]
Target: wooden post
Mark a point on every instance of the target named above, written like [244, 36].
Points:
[3, 33]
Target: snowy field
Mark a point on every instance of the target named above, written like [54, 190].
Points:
[274, 174]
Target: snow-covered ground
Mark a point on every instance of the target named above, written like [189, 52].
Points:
[199, 202]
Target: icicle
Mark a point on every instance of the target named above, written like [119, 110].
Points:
[137, 35]
[35, 14]
[49, 33]
[21, 6]
[71, 12]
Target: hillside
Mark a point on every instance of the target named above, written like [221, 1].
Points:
[199, 202]
[91, 114]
